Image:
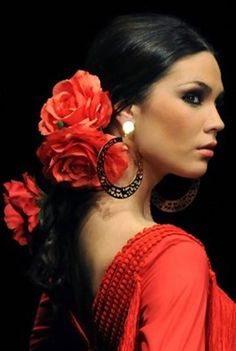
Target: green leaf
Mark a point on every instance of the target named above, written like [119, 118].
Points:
[60, 124]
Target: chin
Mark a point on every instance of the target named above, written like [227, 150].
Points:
[194, 172]
[197, 173]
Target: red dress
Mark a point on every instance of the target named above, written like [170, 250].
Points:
[158, 294]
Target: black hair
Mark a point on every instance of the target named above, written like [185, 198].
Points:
[135, 51]
[128, 56]
[53, 242]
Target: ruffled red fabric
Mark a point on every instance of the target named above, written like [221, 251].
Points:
[118, 306]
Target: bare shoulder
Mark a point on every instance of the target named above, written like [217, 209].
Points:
[99, 243]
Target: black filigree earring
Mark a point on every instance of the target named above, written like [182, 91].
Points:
[179, 204]
[111, 189]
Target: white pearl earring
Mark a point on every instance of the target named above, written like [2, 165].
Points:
[128, 127]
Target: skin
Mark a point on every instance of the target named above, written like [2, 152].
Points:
[177, 119]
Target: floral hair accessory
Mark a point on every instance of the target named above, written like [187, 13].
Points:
[71, 122]
[78, 100]
[23, 204]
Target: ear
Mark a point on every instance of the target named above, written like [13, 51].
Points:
[125, 115]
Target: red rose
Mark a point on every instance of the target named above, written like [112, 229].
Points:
[71, 155]
[21, 212]
[76, 100]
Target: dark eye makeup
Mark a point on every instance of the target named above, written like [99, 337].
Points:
[194, 96]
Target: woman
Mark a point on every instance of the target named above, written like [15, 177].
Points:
[113, 278]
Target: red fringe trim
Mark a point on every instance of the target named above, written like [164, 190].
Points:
[221, 323]
[128, 339]
[80, 330]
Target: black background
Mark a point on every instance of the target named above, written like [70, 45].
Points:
[39, 47]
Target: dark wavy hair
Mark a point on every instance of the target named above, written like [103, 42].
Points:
[129, 55]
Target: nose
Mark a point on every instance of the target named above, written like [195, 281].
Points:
[214, 121]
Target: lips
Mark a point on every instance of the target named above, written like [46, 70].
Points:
[209, 146]
[207, 149]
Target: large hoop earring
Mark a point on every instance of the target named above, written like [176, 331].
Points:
[111, 189]
[178, 204]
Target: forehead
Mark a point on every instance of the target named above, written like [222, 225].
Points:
[198, 67]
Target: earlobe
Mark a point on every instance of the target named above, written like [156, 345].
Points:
[124, 116]
[126, 119]
[126, 122]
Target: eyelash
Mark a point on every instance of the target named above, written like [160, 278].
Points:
[190, 97]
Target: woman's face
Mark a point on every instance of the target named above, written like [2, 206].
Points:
[177, 125]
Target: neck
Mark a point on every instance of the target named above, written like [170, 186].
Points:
[137, 205]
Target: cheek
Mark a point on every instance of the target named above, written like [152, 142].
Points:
[166, 131]
[153, 137]
[168, 123]
[179, 123]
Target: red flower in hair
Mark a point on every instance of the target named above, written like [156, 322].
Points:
[71, 122]
[71, 155]
[79, 99]
[21, 212]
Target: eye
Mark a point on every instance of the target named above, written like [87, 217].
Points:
[193, 97]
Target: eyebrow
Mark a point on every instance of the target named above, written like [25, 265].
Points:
[205, 87]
